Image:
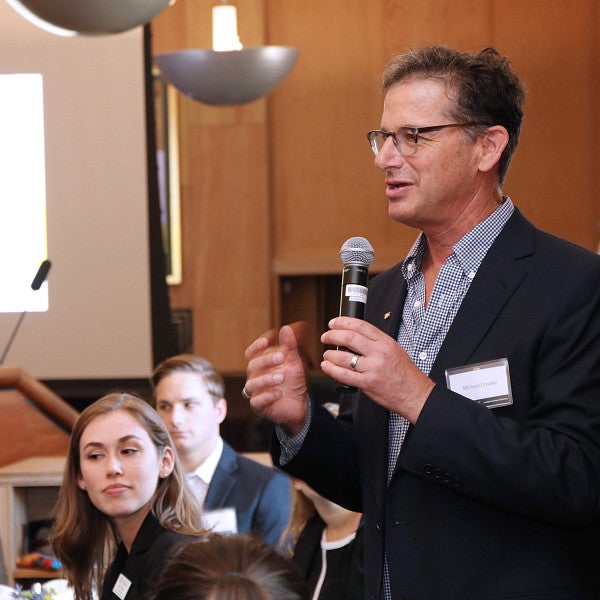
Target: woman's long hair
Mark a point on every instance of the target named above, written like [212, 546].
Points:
[83, 538]
[303, 509]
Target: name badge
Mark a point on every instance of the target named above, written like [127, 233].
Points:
[221, 520]
[487, 383]
[121, 586]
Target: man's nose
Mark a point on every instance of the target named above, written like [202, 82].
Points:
[177, 413]
[389, 156]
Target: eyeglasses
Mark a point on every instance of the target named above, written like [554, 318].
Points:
[406, 139]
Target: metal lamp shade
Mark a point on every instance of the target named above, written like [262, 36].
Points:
[230, 77]
[90, 17]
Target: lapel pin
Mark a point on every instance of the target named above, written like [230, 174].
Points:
[387, 315]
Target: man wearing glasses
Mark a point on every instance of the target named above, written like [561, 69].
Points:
[473, 449]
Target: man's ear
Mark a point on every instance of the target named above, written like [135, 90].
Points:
[221, 408]
[493, 142]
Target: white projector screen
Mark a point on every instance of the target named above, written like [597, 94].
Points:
[98, 322]
[22, 192]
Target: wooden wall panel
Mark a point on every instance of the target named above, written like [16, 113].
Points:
[296, 177]
[224, 198]
[323, 172]
[554, 178]
[332, 189]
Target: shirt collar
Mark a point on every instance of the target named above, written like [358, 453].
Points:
[412, 263]
[207, 469]
[471, 249]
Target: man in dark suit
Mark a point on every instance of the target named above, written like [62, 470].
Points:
[473, 446]
[239, 495]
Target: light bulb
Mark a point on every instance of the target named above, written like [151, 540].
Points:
[225, 35]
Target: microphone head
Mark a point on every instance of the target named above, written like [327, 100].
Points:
[357, 251]
[41, 275]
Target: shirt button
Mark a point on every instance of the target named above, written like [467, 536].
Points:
[417, 304]
[423, 355]
[410, 267]
[471, 274]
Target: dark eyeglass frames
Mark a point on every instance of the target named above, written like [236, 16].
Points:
[406, 139]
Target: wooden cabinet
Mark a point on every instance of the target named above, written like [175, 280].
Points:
[28, 492]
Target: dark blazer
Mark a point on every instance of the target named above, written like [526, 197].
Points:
[261, 495]
[144, 565]
[485, 503]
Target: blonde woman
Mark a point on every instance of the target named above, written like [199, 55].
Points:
[124, 499]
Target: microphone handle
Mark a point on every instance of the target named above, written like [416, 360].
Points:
[353, 295]
[353, 299]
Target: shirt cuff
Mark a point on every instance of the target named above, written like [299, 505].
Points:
[291, 445]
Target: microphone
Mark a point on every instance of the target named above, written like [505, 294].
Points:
[357, 255]
[36, 284]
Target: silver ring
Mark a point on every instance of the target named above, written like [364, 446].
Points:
[354, 362]
[245, 394]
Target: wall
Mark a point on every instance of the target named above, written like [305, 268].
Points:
[224, 198]
[99, 320]
[270, 190]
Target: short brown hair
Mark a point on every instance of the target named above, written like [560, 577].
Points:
[483, 88]
[189, 363]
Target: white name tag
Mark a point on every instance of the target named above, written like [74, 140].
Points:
[487, 383]
[121, 586]
[221, 520]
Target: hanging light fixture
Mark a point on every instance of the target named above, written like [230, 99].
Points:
[88, 17]
[229, 73]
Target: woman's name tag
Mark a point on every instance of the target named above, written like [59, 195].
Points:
[121, 587]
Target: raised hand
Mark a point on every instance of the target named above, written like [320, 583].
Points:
[276, 377]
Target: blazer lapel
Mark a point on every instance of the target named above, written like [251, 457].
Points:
[146, 536]
[222, 480]
[385, 312]
[497, 279]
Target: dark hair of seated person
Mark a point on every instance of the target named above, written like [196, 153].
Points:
[230, 567]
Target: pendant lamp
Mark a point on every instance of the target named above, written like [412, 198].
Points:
[229, 73]
[88, 17]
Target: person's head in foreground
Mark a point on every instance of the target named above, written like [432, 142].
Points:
[234, 567]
